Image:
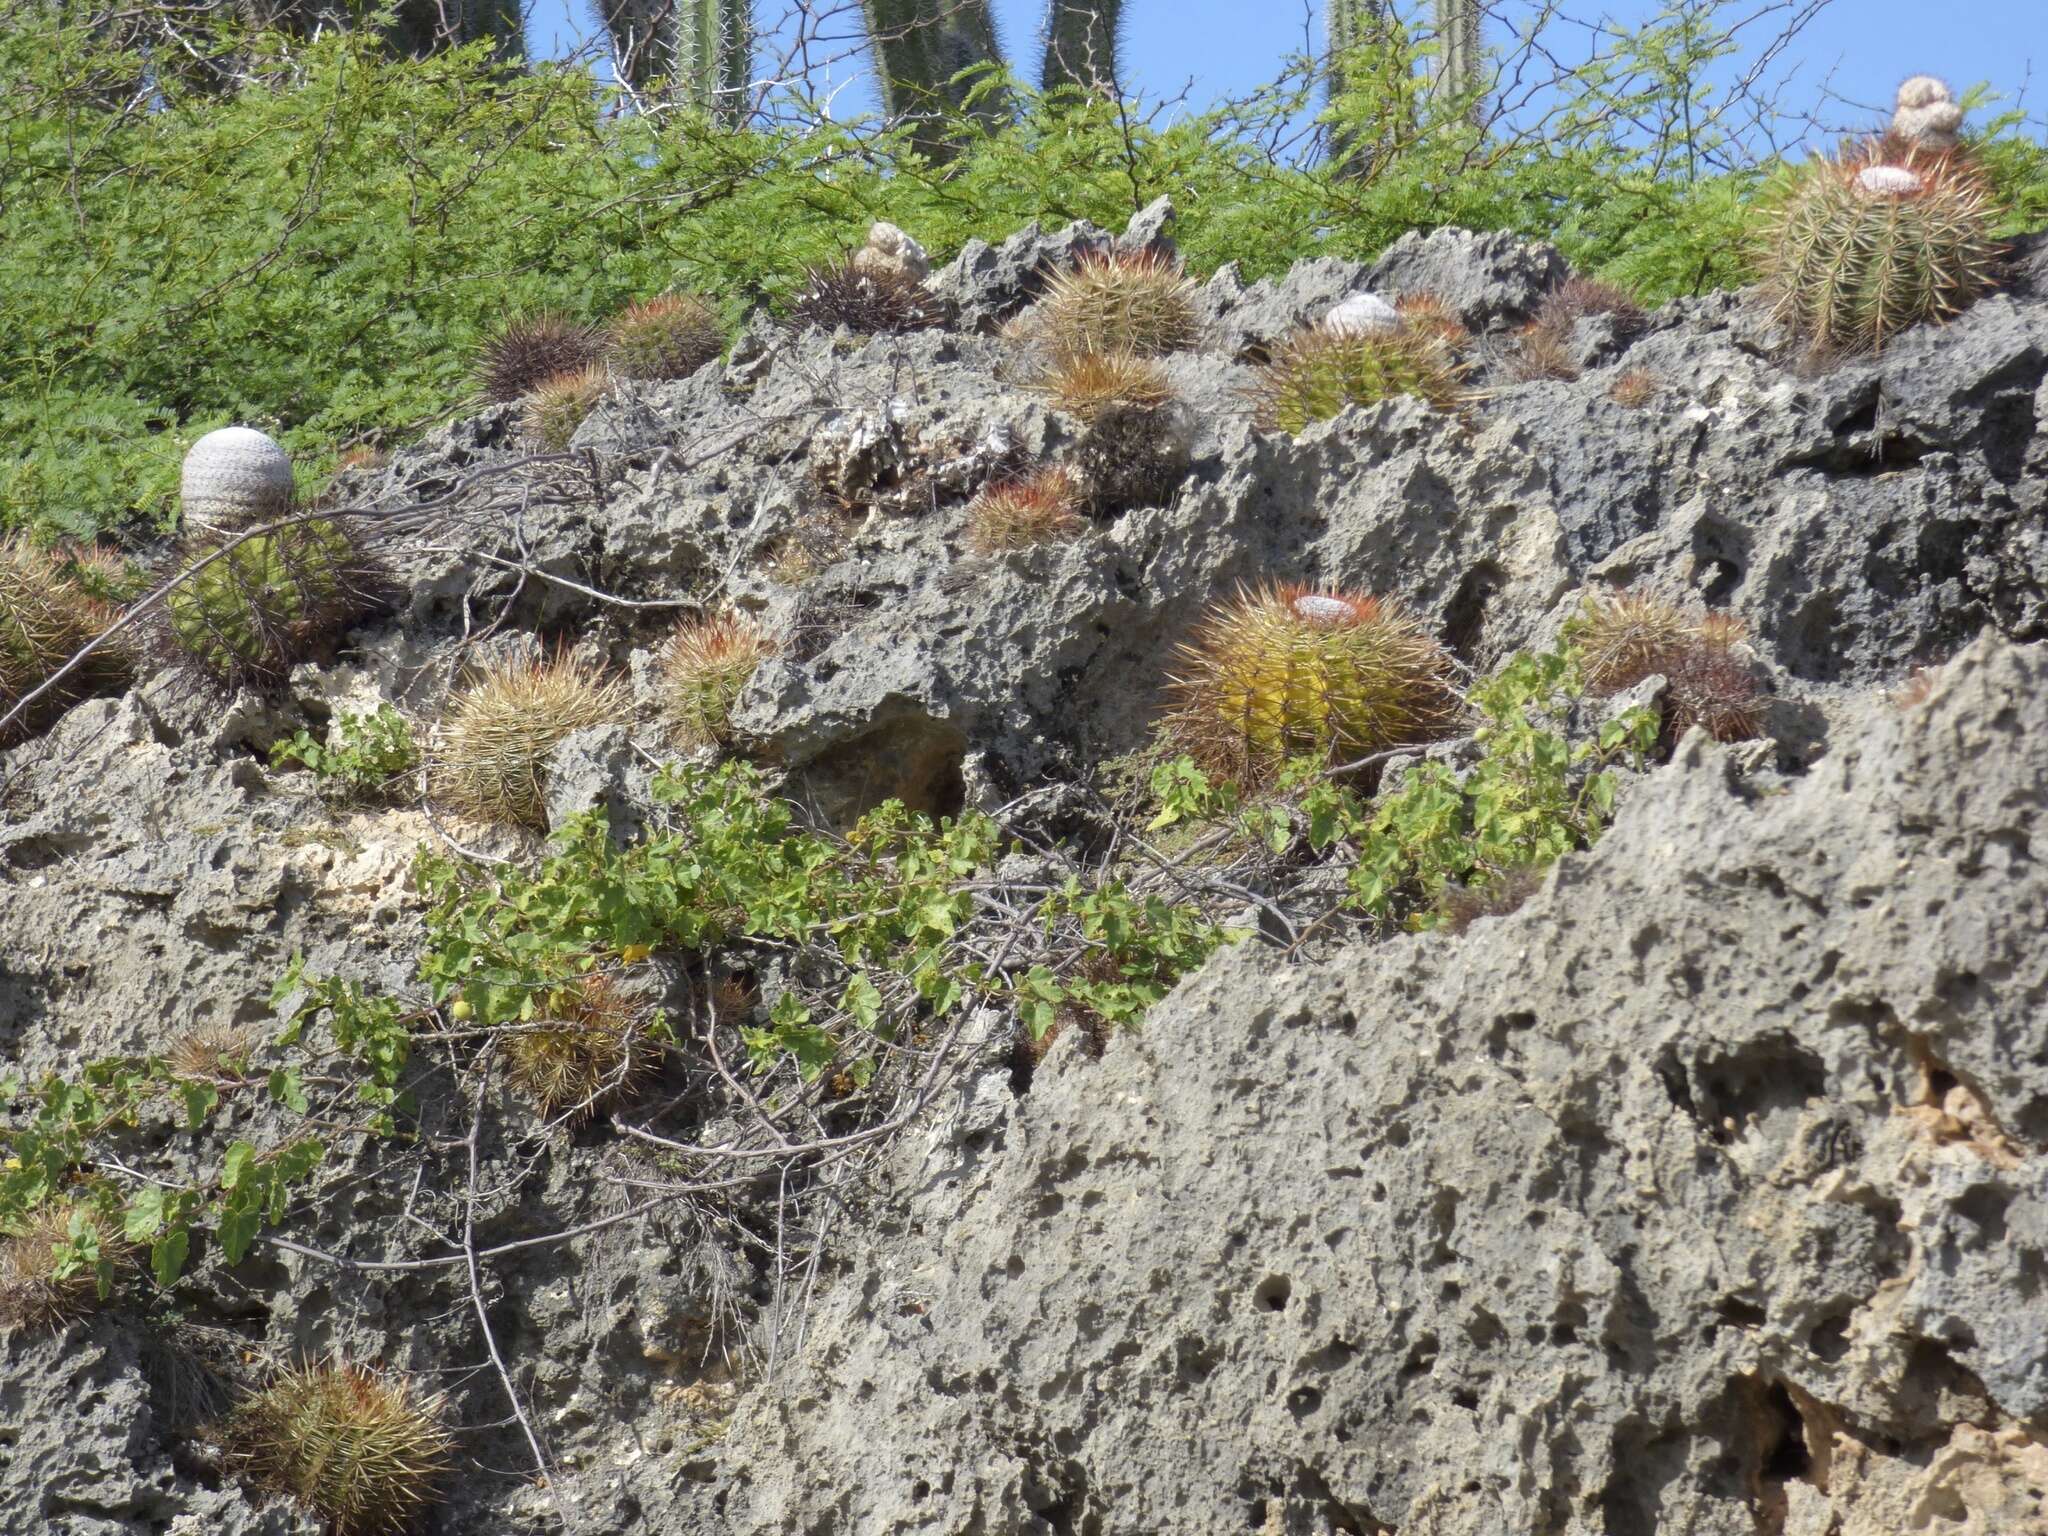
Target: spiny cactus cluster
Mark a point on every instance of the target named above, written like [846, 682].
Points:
[362, 1451]
[559, 405]
[489, 756]
[250, 608]
[531, 350]
[669, 336]
[1277, 672]
[1134, 455]
[588, 1048]
[1321, 369]
[1083, 384]
[1041, 507]
[1138, 302]
[703, 669]
[47, 615]
[1623, 637]
[1543, 348]
[1855, 250]
[33, 1294]
[234, 477]
[875, 299]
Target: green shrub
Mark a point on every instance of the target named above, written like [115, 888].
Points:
[363, 756]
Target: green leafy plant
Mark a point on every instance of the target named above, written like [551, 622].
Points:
[363, 756]
[56, 1262]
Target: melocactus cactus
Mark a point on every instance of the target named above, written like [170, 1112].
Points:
[46, 618]
[1623, 637]
[1431, 315]
[1042, 507]
[1134, 456]
[1139, 302]
[250, 609]
[1288, 671]
[1578, 298]
[558, 406]
[362, 1451]
[32, 1292]
[877, 300]
[1853, 251]
[703, 669]
[531, 350]
[1362, 313]
[489, 757]
[233, 477]
[1927, 117]
[1084, 384]
[669, 336]
[589, 1047]
[889, 250]
[1317, 372]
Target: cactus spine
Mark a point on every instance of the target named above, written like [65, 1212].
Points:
[921, 45]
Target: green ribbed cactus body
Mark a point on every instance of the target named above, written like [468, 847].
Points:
[1855, 252]
[1319, 371]
[1284, 672]
[920, 46]
[1081, 42]
[45, 620]
[269, 601]
[701, 51]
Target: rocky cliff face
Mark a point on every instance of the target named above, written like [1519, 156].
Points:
[1705, 1193]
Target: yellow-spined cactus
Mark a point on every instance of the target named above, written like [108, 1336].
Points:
[489, 756]
[702, 670]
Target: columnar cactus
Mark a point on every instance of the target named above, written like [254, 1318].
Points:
[1081, 42]
[1853, 252]
[1289, 671]
[699, 51]
[233, 477]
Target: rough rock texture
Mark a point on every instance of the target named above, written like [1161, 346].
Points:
[1703, 1195]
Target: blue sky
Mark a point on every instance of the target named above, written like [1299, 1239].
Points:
[1858, 50]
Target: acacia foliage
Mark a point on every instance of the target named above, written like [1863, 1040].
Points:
[320, 251]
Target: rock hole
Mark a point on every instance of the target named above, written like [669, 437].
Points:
[1829, 1340]
[1303, 1401]
[1272, 1293]
[1465, 616]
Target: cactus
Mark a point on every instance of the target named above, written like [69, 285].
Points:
[1577, 298]
[1458, 43]
[586, 1049]
[37, 1290]
[1318, 372]
[1289, 671]
[1851, 257]
[531, 350]
[872, 301]
[489, 758]
[1623, 637]
[1927, 117]
[1084, 384]
[258, 606]
[46, 617]
[1635, 388]
[361, 1451]
[703, 669]
[1081, 42]
[890, 251]
[558, 406]
[921, 47]
[1139, 302]
[700, 51]
[669, 336]
[1041, 507]
[1361, 313]
[1432, 316]
[1134, 456]
[1708, 685]
[233, 477]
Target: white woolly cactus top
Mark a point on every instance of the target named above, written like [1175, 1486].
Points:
[1928, 115]
[1887, 181]
[1361, 314]
[890, 248]
[235, 472]
[1327, 611]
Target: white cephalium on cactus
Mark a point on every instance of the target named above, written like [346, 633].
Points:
[235, 475]
[889, 250]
